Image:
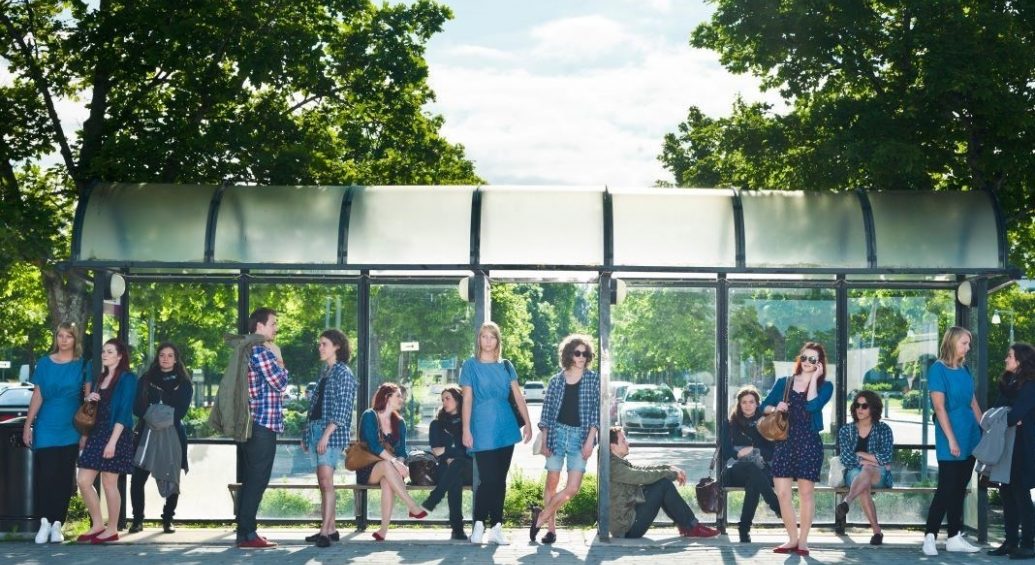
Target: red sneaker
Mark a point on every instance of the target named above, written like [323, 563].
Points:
[699, 531]
[257, 543]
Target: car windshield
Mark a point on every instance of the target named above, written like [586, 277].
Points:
[15, 397]
[533, 385]
[650, 395]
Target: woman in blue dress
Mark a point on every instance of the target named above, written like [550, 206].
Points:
[58, 381]
[491, 428]
[957, 432]
[109, 446]
[800, 456]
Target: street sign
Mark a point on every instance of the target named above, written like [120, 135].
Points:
[409, 346]
[5, 364]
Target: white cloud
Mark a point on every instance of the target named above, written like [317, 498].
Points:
[478, 52]
[583, 38]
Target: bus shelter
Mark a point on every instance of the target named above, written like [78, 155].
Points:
[738, 279]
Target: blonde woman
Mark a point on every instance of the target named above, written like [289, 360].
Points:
[957, 432]
[49, 431]
[490, 428]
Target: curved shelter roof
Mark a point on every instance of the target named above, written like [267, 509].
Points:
[159, 227]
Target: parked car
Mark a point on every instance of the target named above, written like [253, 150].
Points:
[534, 390]
[291, 392]
[309, 390]
[694, 391]
[650, 409]
[617, 389]
[14, 401]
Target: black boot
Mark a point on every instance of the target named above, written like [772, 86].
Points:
[1005, 549]
[745, 534]
[167, 526]
[136, 526]
[458, 533]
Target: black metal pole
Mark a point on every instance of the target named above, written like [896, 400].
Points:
[722, 379]
[363, 330]
[604, 449]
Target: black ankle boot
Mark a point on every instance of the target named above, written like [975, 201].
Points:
[745, 535]
[167, 526]
[136, 526]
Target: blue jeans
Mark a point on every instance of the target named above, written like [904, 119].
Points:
[569, 446]
[257, 453]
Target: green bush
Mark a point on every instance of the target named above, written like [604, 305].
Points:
[909, 458]
[911, 400]
[879, 387]
[522, 493]
[77, 510]
[294, 423]
[283, 503]
[195, 423]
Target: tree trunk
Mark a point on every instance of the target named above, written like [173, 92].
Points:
[67, 297]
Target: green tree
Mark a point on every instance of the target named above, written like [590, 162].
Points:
[241, 91]
[912, 94]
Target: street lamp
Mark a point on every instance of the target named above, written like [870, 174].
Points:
[996, 319]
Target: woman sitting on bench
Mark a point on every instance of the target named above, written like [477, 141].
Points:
[866, 446]
[747, 455]
[384, 430]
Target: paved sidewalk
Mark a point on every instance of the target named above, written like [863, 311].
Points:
[430, 546]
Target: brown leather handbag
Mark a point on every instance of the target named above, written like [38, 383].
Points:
[774, 425]
[86, 416]
[358, 454]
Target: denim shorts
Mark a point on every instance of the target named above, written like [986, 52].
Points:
[884, 482]
[569, 445]
[330, 458]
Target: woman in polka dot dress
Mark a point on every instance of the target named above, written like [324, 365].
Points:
[801, 455]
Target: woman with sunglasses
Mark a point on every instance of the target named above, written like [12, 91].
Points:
[747, 456]
[957, 432]
[570, 422]
[1017, 390]
[800, 456]
[866, 445]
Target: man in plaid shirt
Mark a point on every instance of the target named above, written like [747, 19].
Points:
[267, 379]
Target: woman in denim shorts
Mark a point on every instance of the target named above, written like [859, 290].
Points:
[866, 445]
[570, 422]
[328, 425]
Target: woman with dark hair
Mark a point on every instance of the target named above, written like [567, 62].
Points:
[1017, 390]
[747, 455]
[800, 456]
[165, 382]
[491, 428]
[384, 430]
[454, 464]
[48, 430]
[570, 423]
[957, 431]
[329, 425]
[108, 450]
[866, 446]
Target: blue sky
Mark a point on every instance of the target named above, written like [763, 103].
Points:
[574, 92]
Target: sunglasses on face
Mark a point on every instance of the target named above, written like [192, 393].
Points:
[580, 353]
[810, 358]
[863, 406]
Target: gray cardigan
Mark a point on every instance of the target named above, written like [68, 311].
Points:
[995, 450]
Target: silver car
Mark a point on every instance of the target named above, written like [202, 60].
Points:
[650, 409]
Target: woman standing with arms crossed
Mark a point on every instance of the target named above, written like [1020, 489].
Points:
[109, 446]
[800, 457]
[54, 440]
[490, 428]
[329, 424]
[957, 432]
[570, 422]
[165, 382]
[1017, 390]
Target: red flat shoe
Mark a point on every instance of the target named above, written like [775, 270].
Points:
[420, 515]
[785, 550]
[378, 536]
[801, 552]
[87, 538]
[97, 540]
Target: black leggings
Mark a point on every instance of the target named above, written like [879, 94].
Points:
[953, 477]
[136, 495]
[492, 484]
[53, 470]
[756, 482]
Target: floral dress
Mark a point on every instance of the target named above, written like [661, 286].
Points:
[801, 455]
[92, 456]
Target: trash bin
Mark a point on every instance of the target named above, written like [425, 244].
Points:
[16, 492]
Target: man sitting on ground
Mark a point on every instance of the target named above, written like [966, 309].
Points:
[638, 492]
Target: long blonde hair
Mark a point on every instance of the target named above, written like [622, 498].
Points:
[72, 328]
[493, 329]
[947, 351]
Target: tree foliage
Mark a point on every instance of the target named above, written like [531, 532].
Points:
[886, 95]
[206, 91]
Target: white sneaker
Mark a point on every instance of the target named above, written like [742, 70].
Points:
[477, 532]
[44, 534]
[55, 532]
[496, 535]
[929, 547]
[959, 545]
